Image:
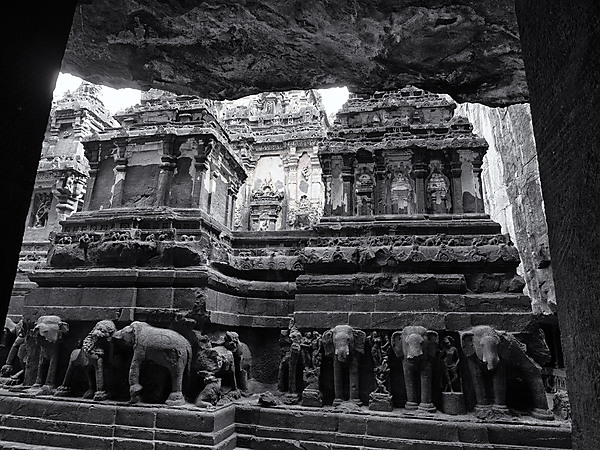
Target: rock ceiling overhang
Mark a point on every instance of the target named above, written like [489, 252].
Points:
[469, 49]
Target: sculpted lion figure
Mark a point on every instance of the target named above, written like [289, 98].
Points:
[90, 357]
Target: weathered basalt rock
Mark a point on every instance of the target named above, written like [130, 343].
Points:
[223, 50]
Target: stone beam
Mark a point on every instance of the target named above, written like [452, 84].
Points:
[32, 48]
[469, 48]
[562, 61]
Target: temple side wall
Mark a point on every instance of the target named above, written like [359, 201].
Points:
[512, 191]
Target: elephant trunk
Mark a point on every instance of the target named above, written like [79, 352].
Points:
[342, 354]
[415, 346]
[490, 353]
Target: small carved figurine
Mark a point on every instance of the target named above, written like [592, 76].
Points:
[290, 344]
[16, 355]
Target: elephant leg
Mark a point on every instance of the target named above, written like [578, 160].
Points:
[100, 393]
[283, 375]
[41, 370]
[478, 382]
[90, 375]
[292, 370]
[410, 384]
[500, 387]
[426, 387]
[338, 385]
[176, 396]
[52, 369]
[65, 388]
[354, 380]
[135, 388]
[532, 374]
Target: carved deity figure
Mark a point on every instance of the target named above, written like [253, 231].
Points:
[438, 193]
[42, 211]
[401, 193]
[290, 343]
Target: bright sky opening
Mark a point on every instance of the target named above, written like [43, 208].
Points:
[116, 100]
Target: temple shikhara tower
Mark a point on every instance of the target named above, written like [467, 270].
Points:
[229, 257]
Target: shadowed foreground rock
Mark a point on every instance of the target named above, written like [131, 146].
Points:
[228, 50]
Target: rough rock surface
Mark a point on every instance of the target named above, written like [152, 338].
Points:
[467, 48]
[513, 193]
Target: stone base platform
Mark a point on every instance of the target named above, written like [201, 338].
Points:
[35, 423]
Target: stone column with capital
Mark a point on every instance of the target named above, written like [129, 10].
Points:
[167, 167]
[477, 163]
[421, 171]
[456, 172]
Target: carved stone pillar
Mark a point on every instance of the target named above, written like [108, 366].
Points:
[477, 162]
[167, 167]
[91, 181]
[119, 183]
[420, 171]
[92, 153]
[456, 171]
[202, 148]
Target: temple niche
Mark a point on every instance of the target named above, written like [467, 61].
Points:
[277, 137]
[401, 153]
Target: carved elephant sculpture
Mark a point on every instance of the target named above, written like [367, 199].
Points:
[346, 345]
[417, 346]
[91, 357]
[161, 346]
[48, 330]
[488, 353]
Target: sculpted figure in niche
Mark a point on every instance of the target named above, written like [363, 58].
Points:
[49, 331]
[290, 343]
[450, 359]
[91, 357]
[401, 192]
[417, 347]
[214, 363]
[42, 211]
[489, 353]
[438, 191]
[346, 345]
[164, 347]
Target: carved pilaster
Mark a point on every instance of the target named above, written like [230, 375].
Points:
[420, 170]
[456, 172]
[167, 167]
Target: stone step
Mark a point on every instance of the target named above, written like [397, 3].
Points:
[51, 440]
[296, 427]
[6, 445]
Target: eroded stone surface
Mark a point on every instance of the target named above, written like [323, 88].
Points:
[221, 50]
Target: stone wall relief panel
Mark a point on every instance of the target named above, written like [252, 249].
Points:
[267, 194]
